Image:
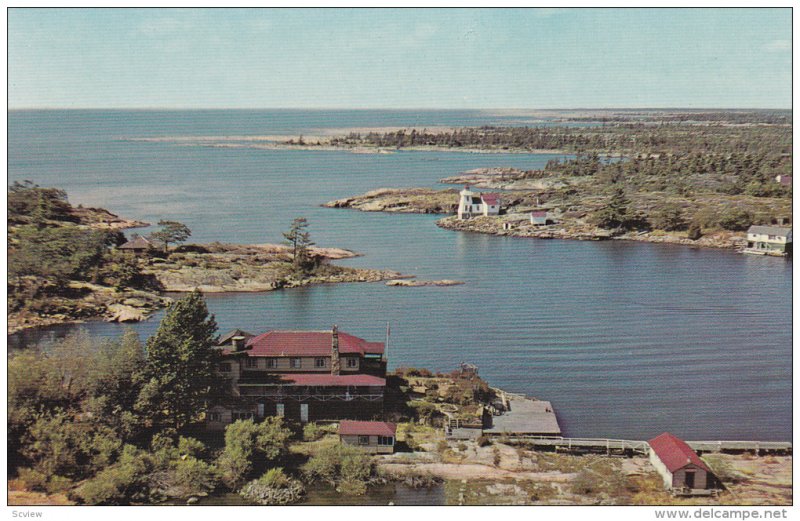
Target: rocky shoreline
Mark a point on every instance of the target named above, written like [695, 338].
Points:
[515, 223]
[211, 268]
[401, 200]
[494, 226]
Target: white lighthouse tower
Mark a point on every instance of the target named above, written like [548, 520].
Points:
[469, 203]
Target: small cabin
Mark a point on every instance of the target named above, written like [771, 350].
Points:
[371, 436]
[769, 240]
[139, 245]
[682, 470]
[539, 217]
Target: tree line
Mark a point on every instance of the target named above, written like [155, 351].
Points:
[622, 137]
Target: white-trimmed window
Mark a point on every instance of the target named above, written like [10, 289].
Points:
[272, 363]
[320, 362]
[385, 440]
[295, 363]
[363, 440]
[215, 416]
[352, 362]
[280, 409]
[251, 363]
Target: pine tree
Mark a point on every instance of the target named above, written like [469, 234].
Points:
[181, 363]
[299, 239]
[617, 213]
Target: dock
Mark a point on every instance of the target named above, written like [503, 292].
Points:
[521, 416]
[525, 417]
[611, 446]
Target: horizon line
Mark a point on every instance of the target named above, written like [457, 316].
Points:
[186, 108]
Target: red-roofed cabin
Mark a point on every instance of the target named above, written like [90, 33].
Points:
[681, 468]
[373, 437]
[301, 375]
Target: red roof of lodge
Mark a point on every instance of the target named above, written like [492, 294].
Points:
[308, 343]
[331, 380]
[539, 213]
[675, 453]
[356, 428]
[491, 199]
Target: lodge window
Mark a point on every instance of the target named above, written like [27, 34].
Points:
[215, 417]
[251, 362]
[319, 362]
[242, 416]
[225, 368]
[363, 440]
[352, 362]
[295, 363]
[272, 363]
[385, 440]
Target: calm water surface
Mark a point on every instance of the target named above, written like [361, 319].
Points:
[626, 339]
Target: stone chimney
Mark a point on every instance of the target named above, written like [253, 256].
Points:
[336, 364]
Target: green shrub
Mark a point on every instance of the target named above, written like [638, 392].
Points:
[273, 488]
[694, 232]
[352, 488]
[187, 477]
[33, 479]
[125, 482]
[338, 463]
[312, 432]
[735, 219]
[58, 484]
[250, 445]
[669, 218]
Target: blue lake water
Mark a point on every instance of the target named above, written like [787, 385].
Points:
[626, 339]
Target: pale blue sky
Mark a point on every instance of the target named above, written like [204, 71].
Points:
[406, 58]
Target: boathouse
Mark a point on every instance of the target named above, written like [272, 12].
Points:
[769, 240]
[372, 437]
[301, 375]
[682, 470]
[473, 204]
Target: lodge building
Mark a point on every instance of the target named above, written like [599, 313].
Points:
[301, 375]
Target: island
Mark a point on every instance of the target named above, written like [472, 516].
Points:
[695, 179]
[69, 264]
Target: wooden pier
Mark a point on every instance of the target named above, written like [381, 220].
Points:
[629, 447]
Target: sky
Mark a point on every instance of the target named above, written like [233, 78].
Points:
[399, 58]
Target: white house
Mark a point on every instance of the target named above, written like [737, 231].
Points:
[471, 204]
[769, 240]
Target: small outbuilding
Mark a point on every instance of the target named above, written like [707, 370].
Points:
[785, 180]
[683, 471]
[139, 245]
[539, 217]
[370, 436]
